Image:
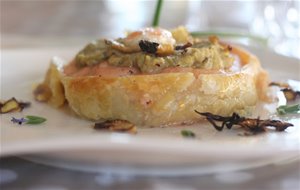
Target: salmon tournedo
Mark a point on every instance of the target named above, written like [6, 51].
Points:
[155, 77]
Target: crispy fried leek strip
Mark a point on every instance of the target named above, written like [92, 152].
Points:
[12, 105]
[117, 125]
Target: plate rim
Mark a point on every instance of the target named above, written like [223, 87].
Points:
[7, 150]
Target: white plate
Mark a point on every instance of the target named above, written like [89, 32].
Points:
[67, 141]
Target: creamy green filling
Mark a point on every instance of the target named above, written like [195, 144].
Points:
[202, 55]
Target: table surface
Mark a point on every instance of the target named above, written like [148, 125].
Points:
[65, 23]
[16, 173]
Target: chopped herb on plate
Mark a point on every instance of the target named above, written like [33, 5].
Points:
[29, 119]
[188, 134]
[285, 109]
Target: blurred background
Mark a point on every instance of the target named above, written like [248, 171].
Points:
[52, 23]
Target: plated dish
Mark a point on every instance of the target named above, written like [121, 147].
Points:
[64, 135]
[154, 77]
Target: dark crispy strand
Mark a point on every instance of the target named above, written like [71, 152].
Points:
[253, 125]
[24, 105]
[219, 128]
[210, 115]
[148, 47]
[183, 47]
[279, 125]
[118, 125]
[102, 125]
[283, 85]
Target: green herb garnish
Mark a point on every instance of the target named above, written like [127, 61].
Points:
[285, 109]
[29, 119]
[188, 134]
[156, 17]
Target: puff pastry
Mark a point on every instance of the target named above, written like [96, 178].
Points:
[167, 97]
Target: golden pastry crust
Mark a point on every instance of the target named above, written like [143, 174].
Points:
[166, 98]
[161, 99]
[52, 89]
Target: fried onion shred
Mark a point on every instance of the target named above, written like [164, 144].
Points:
[13, 105]
[117, 125]
[254, 126]
[289, 93]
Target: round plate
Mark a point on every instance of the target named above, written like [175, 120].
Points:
[70, 142]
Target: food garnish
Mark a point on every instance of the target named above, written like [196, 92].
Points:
[42, 93]
[289, 93]
[279, 84]
[29, 119]
[156, 17]
[118, 125]
[188, 134]
[184, 46]
[254, 126]
[148, 47]
[19, 121]
[12, 105]
[285, 109]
